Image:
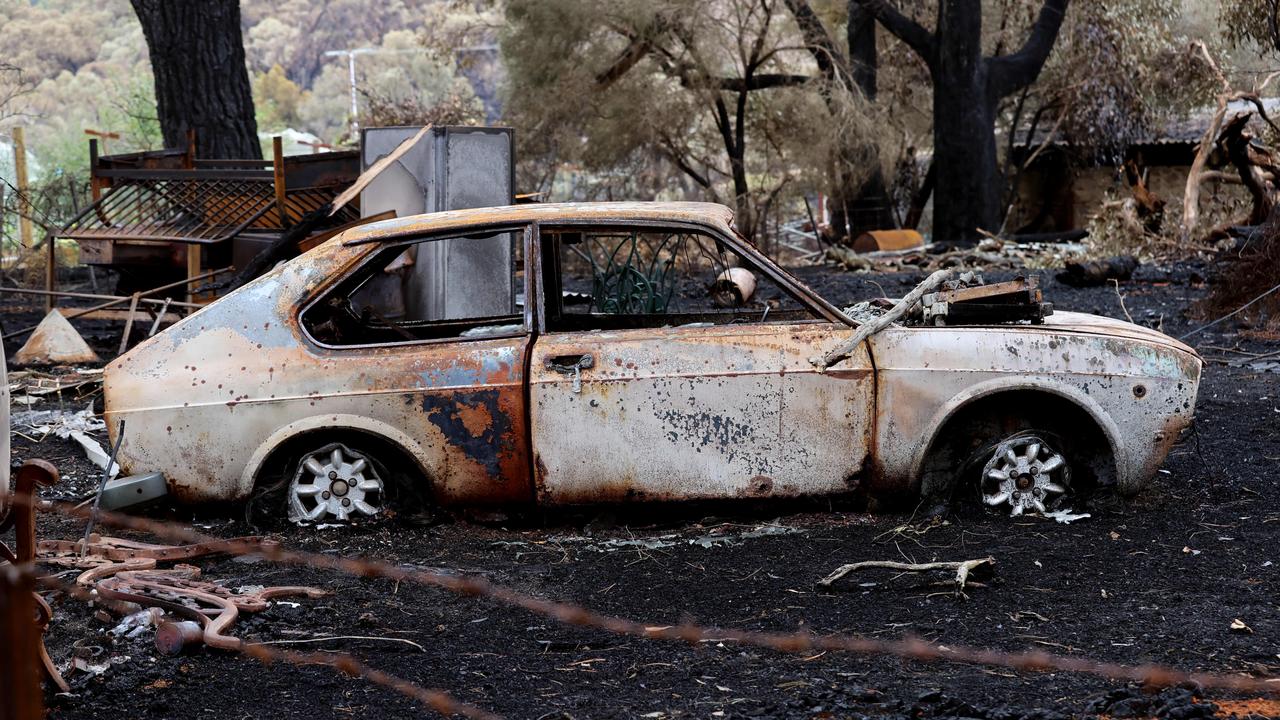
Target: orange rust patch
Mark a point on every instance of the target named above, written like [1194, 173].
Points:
[475, 418]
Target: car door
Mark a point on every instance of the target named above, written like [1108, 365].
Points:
[670, 410]
[449, 378]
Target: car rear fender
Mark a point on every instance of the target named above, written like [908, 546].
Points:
[331, 424]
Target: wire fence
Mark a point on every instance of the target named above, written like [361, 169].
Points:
[801, 643]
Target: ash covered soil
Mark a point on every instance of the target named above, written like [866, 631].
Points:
[1156, 579]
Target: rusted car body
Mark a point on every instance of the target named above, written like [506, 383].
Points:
[525, 412]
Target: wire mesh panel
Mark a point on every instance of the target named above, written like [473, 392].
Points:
[194, 210]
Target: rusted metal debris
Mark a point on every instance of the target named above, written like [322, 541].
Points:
[516, 408]
[20, 514]
[20, 694]
[892, 240]
[125, 572]
[978, 303]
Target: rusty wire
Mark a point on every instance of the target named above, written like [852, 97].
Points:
[347, 664]
[791, 643]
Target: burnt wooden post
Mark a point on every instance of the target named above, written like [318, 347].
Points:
[277, 171]
[20, 693]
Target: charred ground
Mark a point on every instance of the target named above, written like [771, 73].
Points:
[1156, 579]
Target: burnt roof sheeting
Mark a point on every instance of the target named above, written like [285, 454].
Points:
[1186, 129]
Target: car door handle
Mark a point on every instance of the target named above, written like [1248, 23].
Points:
[571, 365]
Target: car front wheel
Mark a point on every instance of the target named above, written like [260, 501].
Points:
[1023, 474]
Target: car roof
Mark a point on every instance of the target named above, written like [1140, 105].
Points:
[701, 213]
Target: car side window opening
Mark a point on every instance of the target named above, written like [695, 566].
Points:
[615, 278]
[441, 287]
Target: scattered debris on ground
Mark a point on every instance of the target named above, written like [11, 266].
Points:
[1089, 273]
[989, 254]
[126, 576]
[74, 425]
[29, 387]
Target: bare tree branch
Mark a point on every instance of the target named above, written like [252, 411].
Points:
[903, 28]
[633, 54]
[1014, 72]
[831, 62]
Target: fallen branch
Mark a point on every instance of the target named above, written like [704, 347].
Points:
[341, 637]
[961, 569]
[866, 330]
[1120, 296]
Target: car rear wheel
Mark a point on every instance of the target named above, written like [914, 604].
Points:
[335, 482]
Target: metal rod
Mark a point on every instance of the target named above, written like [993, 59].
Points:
[128, 324]
[91, 296]
[119, 301]
[97, 499]
[159, 317]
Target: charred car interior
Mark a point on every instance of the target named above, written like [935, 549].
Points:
[594, 278]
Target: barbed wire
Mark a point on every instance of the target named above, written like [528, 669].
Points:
[345, 663]
[790, 643]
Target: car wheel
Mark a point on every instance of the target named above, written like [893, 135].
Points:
[335, 482]
[1025, 472]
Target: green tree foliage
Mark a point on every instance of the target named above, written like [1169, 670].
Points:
[277, 100]
[720, 100]
[1252, 22]
[295, 34]
[82, 66]
[403, 78]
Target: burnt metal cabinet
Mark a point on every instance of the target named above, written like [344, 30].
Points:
[450, 168]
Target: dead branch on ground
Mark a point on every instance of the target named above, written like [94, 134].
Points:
[961, 568]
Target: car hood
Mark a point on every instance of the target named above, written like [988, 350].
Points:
[1098, 325]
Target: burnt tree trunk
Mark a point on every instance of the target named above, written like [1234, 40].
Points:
[733, 132]
[869, 207]
[969, 186]
[856, 205]
[966, 90]
[197, 56]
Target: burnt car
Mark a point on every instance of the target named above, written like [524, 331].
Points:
[604, 352]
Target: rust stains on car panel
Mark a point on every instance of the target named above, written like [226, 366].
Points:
[476, 424]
